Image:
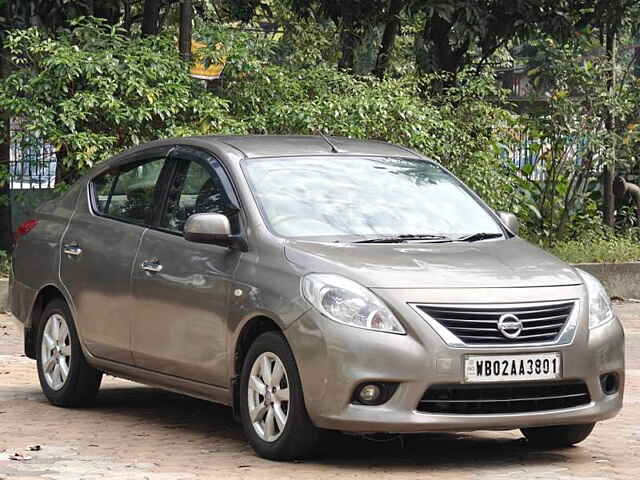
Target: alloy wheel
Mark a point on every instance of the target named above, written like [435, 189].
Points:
[268, 395]
[56, 351]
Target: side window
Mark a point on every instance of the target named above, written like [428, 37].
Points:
[194, 190]
[128, 193]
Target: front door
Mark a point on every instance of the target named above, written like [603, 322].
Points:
[99, 247]
[181, 288]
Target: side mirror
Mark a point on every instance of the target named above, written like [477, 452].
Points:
[208, 228]
[510, 221]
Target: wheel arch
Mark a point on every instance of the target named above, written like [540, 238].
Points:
[249, 332]
[45, 295]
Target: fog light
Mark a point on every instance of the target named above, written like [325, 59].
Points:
[373, 393]
[369, 394]
[609, 383]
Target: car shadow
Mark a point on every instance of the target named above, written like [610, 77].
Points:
[204, 422]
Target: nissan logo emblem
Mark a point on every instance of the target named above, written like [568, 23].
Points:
[509, 325]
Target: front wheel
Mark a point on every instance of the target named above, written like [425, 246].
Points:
[558, 436]
[272, 410]
[67, 380]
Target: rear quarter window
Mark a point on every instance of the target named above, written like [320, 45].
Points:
[128, 193]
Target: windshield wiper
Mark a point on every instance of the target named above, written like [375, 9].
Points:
[474, 237]
[405, 238]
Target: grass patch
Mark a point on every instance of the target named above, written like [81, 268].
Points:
[614, 249]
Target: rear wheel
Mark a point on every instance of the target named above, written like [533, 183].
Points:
[67, 380]
[272, 410]
[558, 436]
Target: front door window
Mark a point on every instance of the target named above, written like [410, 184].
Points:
[195, 189]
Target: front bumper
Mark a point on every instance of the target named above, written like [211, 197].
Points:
[334, 359]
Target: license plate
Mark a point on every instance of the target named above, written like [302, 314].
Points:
[509, 368]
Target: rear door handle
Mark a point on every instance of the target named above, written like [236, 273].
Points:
[72, 249]
[152, 265]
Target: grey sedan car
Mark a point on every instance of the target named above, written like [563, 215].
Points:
[314, 285]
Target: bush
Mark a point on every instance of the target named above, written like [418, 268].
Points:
[570, 137]
[463, 129]
[92, 91]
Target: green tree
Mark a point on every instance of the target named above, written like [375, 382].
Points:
[365, 27]
[569, 135]
[457, 33]
[92, 91]
[464, 128]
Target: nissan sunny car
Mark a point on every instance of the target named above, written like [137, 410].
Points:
[314, 285]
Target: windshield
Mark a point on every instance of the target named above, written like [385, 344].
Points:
[341, 196]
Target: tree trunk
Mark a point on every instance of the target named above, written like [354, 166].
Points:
[348, 42]
[436, 53]
[6, 228]
[608, 200]
[126, 16]
[150, 17]
[388, 38]
[186, 16]
[437, 32]
[90, 8]
[107, 10]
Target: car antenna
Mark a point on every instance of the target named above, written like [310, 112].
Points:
[334, 149]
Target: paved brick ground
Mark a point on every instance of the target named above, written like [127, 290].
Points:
[135, 432]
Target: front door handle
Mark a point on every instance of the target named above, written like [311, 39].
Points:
[152, 265]
[72, 249]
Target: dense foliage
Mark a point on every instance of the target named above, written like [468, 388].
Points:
[568, 141]
[92, 91]
[93, 87]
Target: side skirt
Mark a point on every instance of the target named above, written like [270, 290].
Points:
[183, 386]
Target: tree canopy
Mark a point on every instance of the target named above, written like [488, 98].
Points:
[533, 102]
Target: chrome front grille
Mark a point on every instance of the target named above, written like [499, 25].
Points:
[481, 324]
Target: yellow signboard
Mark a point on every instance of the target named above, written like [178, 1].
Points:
[199, 70]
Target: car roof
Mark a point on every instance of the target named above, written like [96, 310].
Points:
[237, 147]
[255, 146]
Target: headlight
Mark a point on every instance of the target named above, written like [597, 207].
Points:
[600, 311]
[348, 302]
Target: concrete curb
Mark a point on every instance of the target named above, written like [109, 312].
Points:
[619, 279]
[4, 294]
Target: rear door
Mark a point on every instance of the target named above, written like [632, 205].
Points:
[99, 247]
[181, 288]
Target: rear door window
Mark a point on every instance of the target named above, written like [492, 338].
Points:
[129, 193]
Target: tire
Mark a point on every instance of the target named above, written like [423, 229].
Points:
[559, 436]
[80, 385]
[298, 438]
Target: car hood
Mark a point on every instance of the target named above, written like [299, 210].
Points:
[490, 264]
